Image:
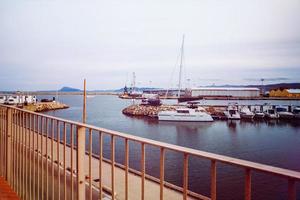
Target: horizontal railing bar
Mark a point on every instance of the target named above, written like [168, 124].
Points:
[211, 156]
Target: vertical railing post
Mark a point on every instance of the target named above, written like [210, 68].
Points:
[291, 189]
[80, 162]
[8, 144]
[213, 181]
[248, 184]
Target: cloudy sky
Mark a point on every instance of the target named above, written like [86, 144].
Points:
[55, 43]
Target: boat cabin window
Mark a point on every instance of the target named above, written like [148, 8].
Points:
[232, 112]
[182, 111]
[281, 109]
[271, 111]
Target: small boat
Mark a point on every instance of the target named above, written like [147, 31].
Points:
[151, 99]
[259, 115]
[283, 113]
[232, 112]
[296, 112]
[271, 114]
[246, 113]
[185, 115]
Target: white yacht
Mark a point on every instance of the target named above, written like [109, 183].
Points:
[246, 113]
[283, 113]
[270, 113]
[185, 115]
[232, 112]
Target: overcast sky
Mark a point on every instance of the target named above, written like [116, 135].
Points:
[50, 44]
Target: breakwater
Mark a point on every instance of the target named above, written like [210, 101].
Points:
[145, 110]
[45, 106]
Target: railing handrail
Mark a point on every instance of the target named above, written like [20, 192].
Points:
[211, 156]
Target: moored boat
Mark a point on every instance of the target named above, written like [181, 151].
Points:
[283, 113]
[296, 112]
[259, 115]
[246, 113]
[271, 113]
[185, 115]
[232, 112]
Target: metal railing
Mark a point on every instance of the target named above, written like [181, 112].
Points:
[45, 157]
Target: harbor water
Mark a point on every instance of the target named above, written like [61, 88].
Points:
[275, 143]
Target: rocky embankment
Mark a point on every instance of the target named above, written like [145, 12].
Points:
[149, 111]
[45, 106]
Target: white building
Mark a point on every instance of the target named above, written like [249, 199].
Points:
[225, 91]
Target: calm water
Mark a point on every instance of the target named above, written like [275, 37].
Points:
[275, 143]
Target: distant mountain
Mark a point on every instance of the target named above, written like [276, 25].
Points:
[267, 87]
[69, 89]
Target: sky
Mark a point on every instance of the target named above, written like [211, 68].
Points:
[45, 45]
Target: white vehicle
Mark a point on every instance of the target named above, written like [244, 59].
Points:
[232, 112]
[185, 115]
[283, 113]
[296, 112]
[271, 113]
[2, 99]
[12, 100]
[246, 113]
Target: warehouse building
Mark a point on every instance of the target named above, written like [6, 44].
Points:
[285, 93]
[225, 92]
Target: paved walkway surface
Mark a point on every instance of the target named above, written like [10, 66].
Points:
[5, 191]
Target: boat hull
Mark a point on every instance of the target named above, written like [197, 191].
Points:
[187, 118]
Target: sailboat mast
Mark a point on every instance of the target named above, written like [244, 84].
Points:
[180, 69]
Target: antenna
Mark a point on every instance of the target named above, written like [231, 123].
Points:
[262, 85]
[84, 102]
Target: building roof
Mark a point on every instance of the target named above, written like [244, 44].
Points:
[294, 91]
[227, 88]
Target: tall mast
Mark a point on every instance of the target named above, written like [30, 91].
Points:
[180, 69]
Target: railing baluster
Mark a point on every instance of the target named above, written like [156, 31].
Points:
[19, 153]
[64, 153]
[112, 146]
[38, 155]
[72, 149]
[80, 162]
[33, 159]
[247, 184]
[52, 159]
[57, 157]
[213, 180]
[143, 171]
[185, 175]
[43, 129]
[126, 167]
[26, 156]
[13, 148]
[100, 164]
[90, 163]
[46, 138]
[291, 189]
[30, 159]
[23, 155]
[162, 172]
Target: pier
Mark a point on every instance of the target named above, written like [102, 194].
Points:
[45, 157]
